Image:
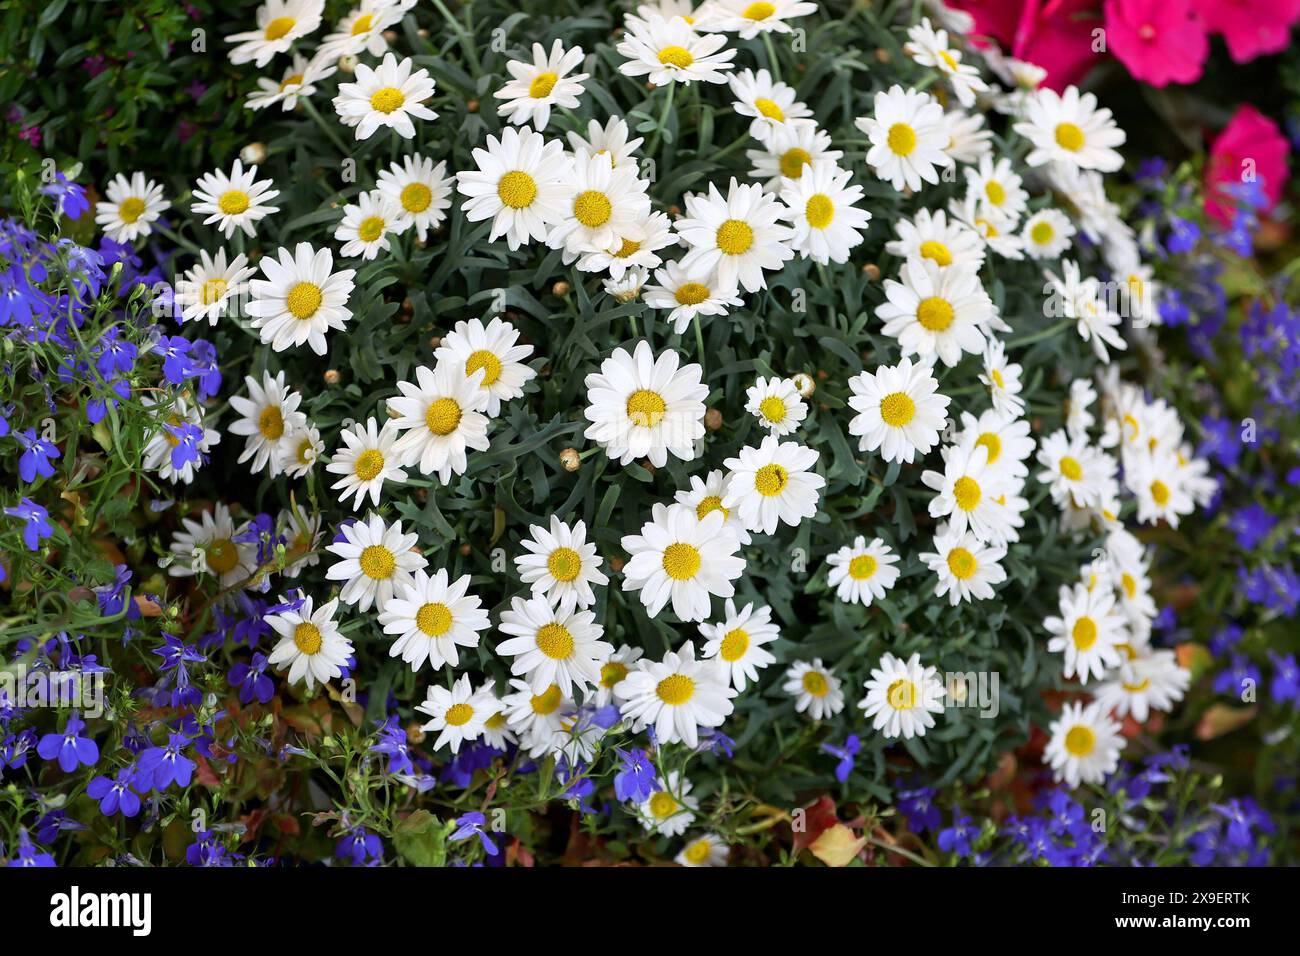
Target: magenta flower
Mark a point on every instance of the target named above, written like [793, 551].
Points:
[1160, 41]
[1251, 28]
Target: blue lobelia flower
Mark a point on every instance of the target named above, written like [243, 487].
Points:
[36, 457]
[116, 794]
[69, 747]
[471, 825]
[638, 778]
[38, 527]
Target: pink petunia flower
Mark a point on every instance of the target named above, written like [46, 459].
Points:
[1054, 34]
[1250, 145]
[1160, 41]
[1251, 28]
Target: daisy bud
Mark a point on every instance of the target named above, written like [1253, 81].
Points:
[882, 55]
[390, 36]
[422, 33]
[332, 376]
[435, 341]
[466, 550]
[713, 419]
[414, 733]
[804, 384]
[570, 460]
[348, 63]
[560, 288]
[872, 271]
[616, 564]
[471, 106]
[253, 153]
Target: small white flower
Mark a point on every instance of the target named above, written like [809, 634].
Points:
[441, 419]
[519, 183]
[234, 201]
[636, 249]
[536, 87]
[279, 24]
[972, 495]
[421, 190]
[1085, 745]
[1002, 379]
[1047, 234]
[387, 96]
[899, 410]
[908, 135]
[1148, 680]
[706, 496]
[610, 141]
[777, 404]
[210, 285]
[929, 47]
[749, 18]
[491, 348]
[864, 572]
[365, 461]
[601, 203]
[934, 312]
[788, 152]
[560, 564]
[300, 299]
[903, 697]
[690, 293]
[553, 645]
[816, 691]
[374, 559]
[967, 570]
[677, 696]
[737, 234]
[681, 558]
[133, 206]
[298, 448]
[208, 546]
[1068, 128]
[707, 850]
[432, 616]
[269, 411]
[773, 483]
[365, 227]
[1088, 631]
[310, 643]
[298, 79]
[932, 235]
[996, 189]
[669, 811]
[670, 51]
[771, 104]
[459, 714]
[820, 206]
[736, 643]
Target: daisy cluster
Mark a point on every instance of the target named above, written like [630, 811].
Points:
[941, 414]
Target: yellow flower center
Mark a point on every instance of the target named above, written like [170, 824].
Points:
[564, 564]
[369, 464]
[303, 300]
[967, 492]
[221, 555]
[458, 715]
[542, 85]
[517, 189]
[734, 645]
[662, 805]
[677, 56]
[612, 673]
[675, 689]
[681, 561]
[371, 228]
[1130, 585]
[710, 504]
[1042, 233]
[233, 202]
[897, 409]
[770, 480]
[377, 562]
[547, 702]
[862, 567]
[793, 161]
[949, 60]
[488, 362]
[901, 139]
[1138, 687]
[278, 27]
[555, 641]
[759, 11]
[592, 208]
[1071, 468]
[433, 619]
[934, 313]
[773, 409]
[1080, 740]
[995, 193]
[130, 209]
[1069, 136]
[294, 79]
[992, 443]
[212, 291]
[630, 247]
[1084, 633]
[387, 99]
[815, 683]
[735, 237]
[1159, 492]
[697, 852]
[901, 694]
[361, 24]
[961, 563]
[819, 211]
[270, 424]
[691, 293]
[645, 408]
[936, 252]
[769, 109]
[415, 197]
[307, 636]
[443, 416]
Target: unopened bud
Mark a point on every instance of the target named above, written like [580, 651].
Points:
[570, 459]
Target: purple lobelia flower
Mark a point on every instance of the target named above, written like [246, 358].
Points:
[69, 747]
[37, 528]
[471, 825]
[638, 778]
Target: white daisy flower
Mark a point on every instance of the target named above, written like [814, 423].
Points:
[749, 18]
[300, 299]
[996, 189]
[421, 189]
[1005, 439]
[787, 152]
[932, 235]
[1068, 128]
[1075, 471]
[1158, 483]
[374, 559]
[899, 410]
[520, 183]
[310, 643]
[208, 546]
[1088, 631]
[864, 572]
[158, 452]
[362, 30]
[302, 534]
[636, 248]
[612, 674]
[366, 460]
[967, 570]
[473, 346]
[669, 811]
[643, 406]
[1139, 293]
[366, 225]
[690, 293]
[1148, 680]
[234, 201]
[771, 104]
[601, 203]
[458, 713]
[535, 717]
[299, 448]
[1002, 379]
[270, 410]
[1047, 234]
[773, 483]
[627, 288]
[670, 51]
[677, 696]
[777, 404]
[1078, 417]
[972, 495]
[736, 643]
[441, 418]
[496, 729]
[816, 691]
[707, 850]
[133, 206]
[279, 24]
[820, 207]
[432, 616]
[934, 312]
[996, 231]
[738, 235]
[535, 87]
[1085, 745]
[705, 497]
[684, 559]
[969, 139]
[929, 47]
[903, 697]
[553, 645]
[610, 141]
[387, 96]
[560, 565]
[210, 285]
[908, 135]
[299, 79]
